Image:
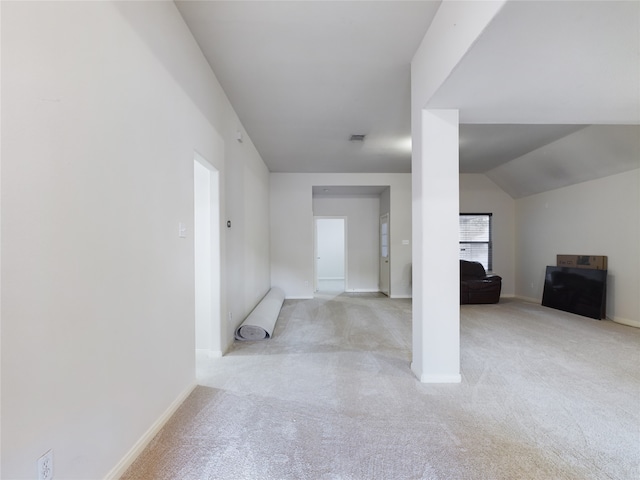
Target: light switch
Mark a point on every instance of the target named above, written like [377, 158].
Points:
[405, 242]
[182, 230]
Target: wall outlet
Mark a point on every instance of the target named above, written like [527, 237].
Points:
[45, 466]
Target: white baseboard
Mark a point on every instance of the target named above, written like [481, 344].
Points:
[362, 290]
[415, 371]
[627, 322]
[401, 296]
[209, 353]
[621, 321]
[441, 378]
[122, 466]
[527, 299]
[299, 298]
[436, 378]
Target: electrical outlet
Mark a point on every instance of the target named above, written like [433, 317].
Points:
[45, 466]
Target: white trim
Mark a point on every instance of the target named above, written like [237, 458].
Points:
[414, 369]
[330, 278]
[625, 321]
[428, 378]
[122, 466]
[209, 353]
[362, 290]
[299, 298]
[621, 321]
[435, 378]
[507, 295]
[401, 296]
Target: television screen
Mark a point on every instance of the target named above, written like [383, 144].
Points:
[576, 290]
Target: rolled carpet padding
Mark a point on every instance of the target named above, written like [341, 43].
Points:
[261, 321]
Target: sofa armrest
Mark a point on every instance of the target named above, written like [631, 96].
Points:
[493, 278]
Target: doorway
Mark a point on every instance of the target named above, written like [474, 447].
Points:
[330, 249]
[207, 256]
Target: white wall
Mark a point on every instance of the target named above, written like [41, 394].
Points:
[249, 279]
[385, 201]
[599, 217]
[103, 105]
[478, 194]
[292, 228]
[363, 218]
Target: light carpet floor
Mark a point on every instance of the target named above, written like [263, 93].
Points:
[544, 395]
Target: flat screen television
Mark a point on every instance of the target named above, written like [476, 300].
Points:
[581, 291]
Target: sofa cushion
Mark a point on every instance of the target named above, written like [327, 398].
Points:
[471, 270]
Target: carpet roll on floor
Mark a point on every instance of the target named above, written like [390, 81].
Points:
[261, 321]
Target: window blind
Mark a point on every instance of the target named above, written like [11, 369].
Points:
[475, 238]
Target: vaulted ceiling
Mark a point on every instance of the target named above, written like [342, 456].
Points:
[304, 76]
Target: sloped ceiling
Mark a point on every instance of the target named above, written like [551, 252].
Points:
[305, 75]
[538, 63]
[594, 152]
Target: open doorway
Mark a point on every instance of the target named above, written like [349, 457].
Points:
[330, 248]
[207, 257]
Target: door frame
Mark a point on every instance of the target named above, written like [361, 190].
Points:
[209, 332]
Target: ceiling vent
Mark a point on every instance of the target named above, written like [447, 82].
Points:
[357, 138]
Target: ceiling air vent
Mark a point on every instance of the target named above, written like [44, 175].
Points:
[357, 138]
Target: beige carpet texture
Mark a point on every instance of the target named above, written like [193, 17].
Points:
[544, 395]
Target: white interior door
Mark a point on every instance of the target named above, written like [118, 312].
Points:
[330, 255]
[384, 254]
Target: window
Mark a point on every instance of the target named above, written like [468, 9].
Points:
[475, 238]
[384, 236]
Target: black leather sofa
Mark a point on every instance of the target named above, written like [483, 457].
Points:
[476, 286]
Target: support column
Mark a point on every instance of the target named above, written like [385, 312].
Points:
[436, 271]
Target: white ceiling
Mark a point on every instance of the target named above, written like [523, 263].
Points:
[304, 76]
[486, 146]
[572, 62]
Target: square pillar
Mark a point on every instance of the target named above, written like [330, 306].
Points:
[436, 271]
